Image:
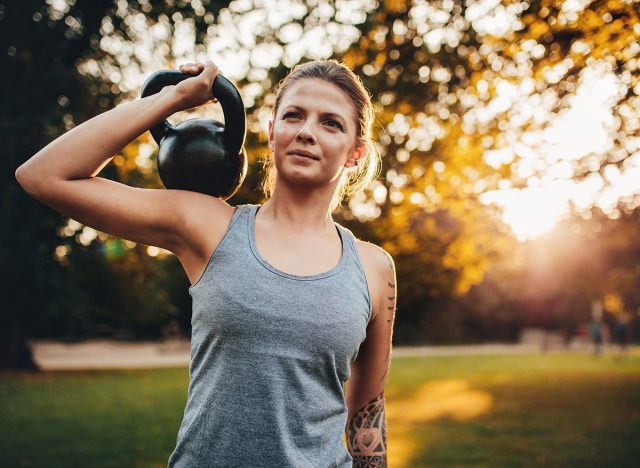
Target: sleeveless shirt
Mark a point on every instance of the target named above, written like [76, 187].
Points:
[270, 352]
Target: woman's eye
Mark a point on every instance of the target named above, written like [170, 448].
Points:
[291, 115]
[334, 123]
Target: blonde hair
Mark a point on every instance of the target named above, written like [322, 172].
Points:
[332, 71]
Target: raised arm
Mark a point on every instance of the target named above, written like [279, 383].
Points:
[63, 174]
[366, 425]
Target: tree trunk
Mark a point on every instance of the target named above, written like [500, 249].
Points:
[15, 352]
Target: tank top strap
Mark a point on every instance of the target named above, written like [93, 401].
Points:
[235, 228]
[353, 254]
[239, 212]
[349, 240]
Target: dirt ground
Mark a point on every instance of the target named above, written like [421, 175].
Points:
[104, 354]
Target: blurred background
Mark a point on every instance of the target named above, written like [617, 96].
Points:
[510, 138]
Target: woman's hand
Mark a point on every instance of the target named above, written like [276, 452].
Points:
[195, 91]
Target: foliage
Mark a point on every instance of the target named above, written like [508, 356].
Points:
[43, 47]
[569, 42]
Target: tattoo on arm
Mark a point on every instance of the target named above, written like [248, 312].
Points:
[367, 435]
[391, 296]
[391, 308]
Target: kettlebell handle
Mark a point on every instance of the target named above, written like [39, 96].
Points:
[223, 90]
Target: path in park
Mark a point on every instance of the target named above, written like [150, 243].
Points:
[103, 354]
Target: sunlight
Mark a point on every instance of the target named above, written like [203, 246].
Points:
[547, 157]
[451, 398]
[531, 212]
[444, 398]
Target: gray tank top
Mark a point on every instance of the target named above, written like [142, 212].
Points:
[270, 352]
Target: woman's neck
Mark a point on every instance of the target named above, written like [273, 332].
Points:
[298, 210]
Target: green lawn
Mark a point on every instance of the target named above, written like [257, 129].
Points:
[502, 410]
[515, 411]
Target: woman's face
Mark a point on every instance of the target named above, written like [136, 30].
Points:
[313, 134]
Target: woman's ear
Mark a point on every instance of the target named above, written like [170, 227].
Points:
[270, 135]
[358, 154]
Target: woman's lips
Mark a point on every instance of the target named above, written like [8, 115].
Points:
[304, 154]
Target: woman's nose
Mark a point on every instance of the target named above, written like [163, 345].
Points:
[304, 136]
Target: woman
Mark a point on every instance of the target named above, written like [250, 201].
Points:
[287, 304]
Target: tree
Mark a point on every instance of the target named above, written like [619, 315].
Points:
[43, 48]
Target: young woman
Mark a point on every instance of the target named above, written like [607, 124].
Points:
[287, 304]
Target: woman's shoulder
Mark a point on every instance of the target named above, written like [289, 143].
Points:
[379, 270]
[373, 253]
[375, 258]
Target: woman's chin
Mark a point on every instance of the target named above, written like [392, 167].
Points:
[299, 179]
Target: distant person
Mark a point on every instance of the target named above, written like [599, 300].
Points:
[621, 333]
[287, 304]
[596, 331]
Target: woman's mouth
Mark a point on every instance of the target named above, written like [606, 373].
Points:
[304, 154]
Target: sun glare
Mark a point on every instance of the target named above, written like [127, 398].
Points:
[532, 212]
[545, 158]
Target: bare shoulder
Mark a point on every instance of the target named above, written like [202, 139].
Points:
[379, 269]
[374, 256]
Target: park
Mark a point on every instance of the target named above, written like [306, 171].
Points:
[482, 268]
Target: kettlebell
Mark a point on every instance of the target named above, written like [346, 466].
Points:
[201, 155]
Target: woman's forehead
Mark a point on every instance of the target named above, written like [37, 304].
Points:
[318, 95]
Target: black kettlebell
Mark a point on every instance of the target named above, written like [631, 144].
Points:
[201, 155]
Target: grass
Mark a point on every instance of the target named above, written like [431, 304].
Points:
[501, 410]
[91, 419]
[558, 410]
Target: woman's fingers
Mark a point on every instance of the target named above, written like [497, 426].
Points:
[191, 68]
[210, 70]
[206, 73]
[197, 68]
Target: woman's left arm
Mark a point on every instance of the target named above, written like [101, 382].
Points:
[366, 424]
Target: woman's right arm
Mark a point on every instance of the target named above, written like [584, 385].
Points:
[63, 174]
